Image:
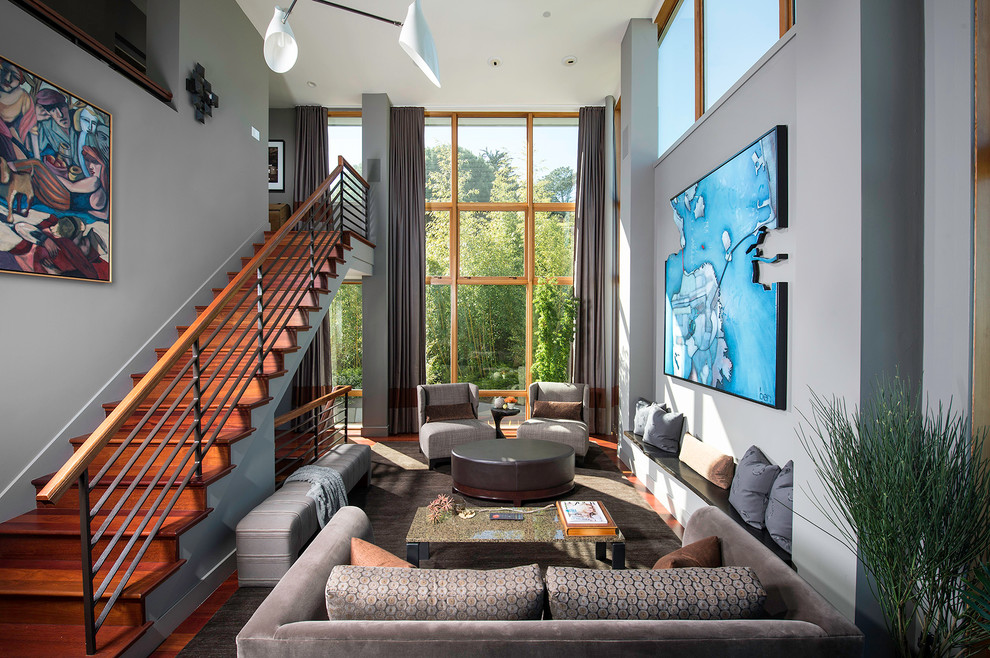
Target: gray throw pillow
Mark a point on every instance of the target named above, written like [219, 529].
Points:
[643, 407]
[780, 509]
[664, 429]
[751, 485]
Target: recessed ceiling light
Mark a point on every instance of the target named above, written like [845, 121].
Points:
[494, 62]
[310, 83]
[570, 60]
[546, 14]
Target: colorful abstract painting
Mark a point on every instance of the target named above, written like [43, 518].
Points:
[725, 328]
[54, 179]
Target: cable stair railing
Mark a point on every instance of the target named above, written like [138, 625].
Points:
[167, 434]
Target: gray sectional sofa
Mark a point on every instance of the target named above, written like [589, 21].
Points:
[292, 621]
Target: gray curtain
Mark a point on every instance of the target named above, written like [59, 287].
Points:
[407, 267]
[588, 354]
[312, 151]
[314, 377]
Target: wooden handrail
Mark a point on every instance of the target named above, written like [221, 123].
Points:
[66, 476]
[337, 392]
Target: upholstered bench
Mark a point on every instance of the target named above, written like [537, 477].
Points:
[271, 536]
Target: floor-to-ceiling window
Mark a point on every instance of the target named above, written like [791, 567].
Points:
[499, 227]
[345, 315]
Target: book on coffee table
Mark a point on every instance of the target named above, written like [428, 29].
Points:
[585, 518]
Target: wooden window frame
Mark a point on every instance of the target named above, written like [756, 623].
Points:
[528, 207]
[667, 11]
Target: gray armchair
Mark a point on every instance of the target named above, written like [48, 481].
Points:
[436, 438]
[571, 432]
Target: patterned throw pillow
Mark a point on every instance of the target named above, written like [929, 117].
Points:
[692, 593]
[705, 552]
[751, 484]
[560, 410]
[366, 554]
[382, 593]
[438, 412]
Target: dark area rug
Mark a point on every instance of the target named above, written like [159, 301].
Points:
[401, 482]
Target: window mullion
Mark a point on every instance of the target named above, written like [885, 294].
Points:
[699, 58]
[455, 260]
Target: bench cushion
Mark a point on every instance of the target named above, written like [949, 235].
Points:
[351, 460]
[270, 537]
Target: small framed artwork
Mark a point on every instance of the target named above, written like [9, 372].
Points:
[276, 165]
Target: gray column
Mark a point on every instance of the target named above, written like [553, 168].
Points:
[375, 110]
[637, 303]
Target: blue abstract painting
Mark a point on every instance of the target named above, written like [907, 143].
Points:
[725, 328]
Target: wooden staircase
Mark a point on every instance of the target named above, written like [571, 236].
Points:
[149, 465]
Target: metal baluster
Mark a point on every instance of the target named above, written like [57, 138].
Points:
[197, 408]
[86, 539]
[346, 404]
[316, 433]
[312, 255]
[261, 321]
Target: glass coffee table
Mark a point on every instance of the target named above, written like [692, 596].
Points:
[539, 525]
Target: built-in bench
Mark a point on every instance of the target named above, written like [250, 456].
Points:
[271, 536]
[681, 489]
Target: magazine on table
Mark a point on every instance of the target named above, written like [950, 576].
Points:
[585, 517]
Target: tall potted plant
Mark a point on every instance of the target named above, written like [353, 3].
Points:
[909, 490]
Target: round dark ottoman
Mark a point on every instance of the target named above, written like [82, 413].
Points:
[512, 469]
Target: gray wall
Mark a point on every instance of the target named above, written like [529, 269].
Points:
[893, 224]
[282, 125]
[638, 147]
[809, 81]
[184, 196]
[948, 202]
[376, 110]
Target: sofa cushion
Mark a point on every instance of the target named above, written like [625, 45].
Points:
[780, 508]
[708, 462]
[366, 554]
[751, 485]
[705, 552]
[663, 429]
[554, 409]
[381, 593]
[436, 439]
[643, 407]
[691, 593]
[456, 411]
[351, 460]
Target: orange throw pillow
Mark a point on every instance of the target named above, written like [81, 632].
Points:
[364, 554]
[705, 552]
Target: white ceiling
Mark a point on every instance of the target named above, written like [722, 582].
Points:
[347, 55]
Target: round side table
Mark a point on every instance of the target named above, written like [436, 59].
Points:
[498, 415]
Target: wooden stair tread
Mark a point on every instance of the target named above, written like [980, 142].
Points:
[246, 402]
[63, 578]
[47, 640]
[65, 522]
[225, 437]
[210, 475]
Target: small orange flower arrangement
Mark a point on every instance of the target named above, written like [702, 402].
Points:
[511, 400]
